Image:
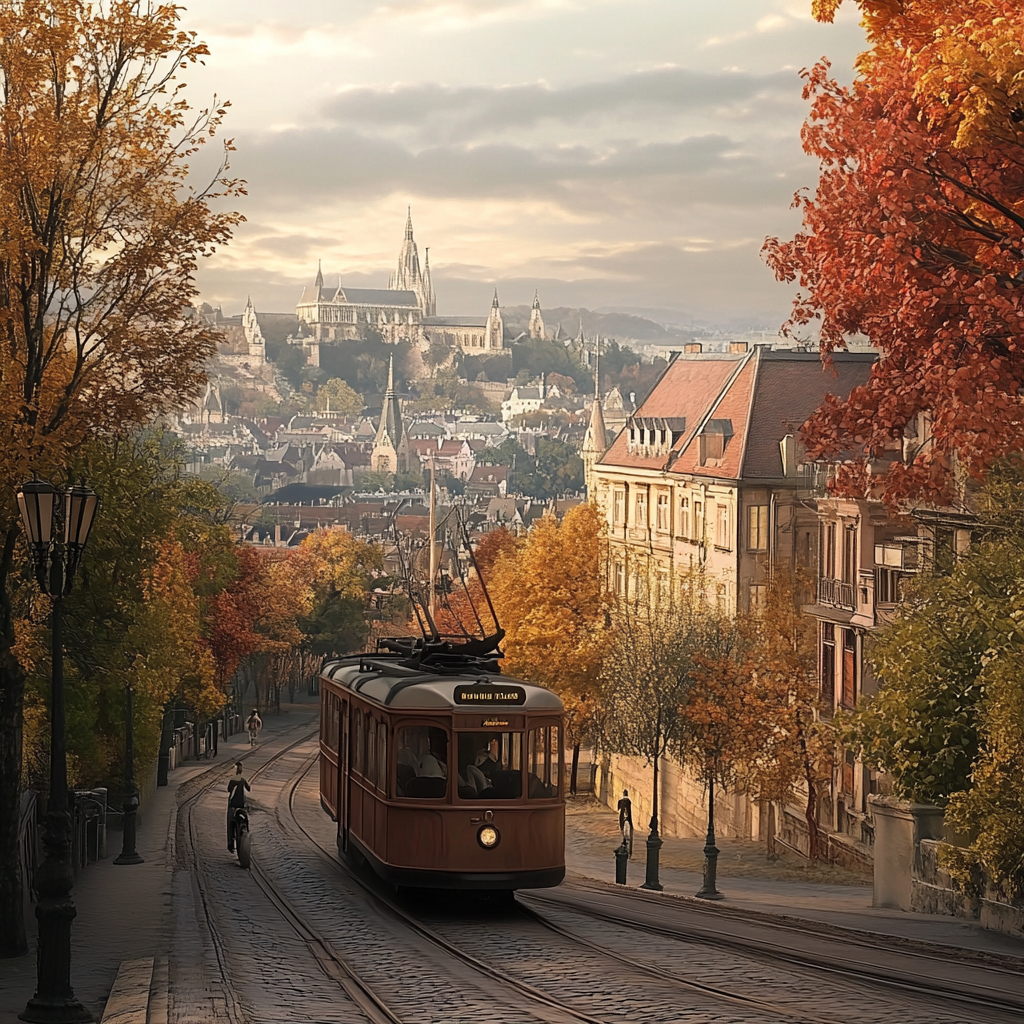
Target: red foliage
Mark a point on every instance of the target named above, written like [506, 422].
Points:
[915, 238]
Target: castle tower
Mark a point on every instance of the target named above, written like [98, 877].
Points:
[253, 335]
[391, 448]
[595, 442]
[536, 328]
[428, 300]
[495, 337]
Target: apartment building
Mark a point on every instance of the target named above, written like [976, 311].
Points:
[708, 472]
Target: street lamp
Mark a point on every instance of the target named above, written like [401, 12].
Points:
[57, 525]
[654, 842]
[128, 854]
[708, 890]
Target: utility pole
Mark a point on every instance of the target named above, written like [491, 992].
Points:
[433, 546]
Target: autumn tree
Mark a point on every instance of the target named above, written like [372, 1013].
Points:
[947, 723]
[552, 600]
[914, 237]
[336, 395]
[662, 648]
[99, 238]
[779, 741]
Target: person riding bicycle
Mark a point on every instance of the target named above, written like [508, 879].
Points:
[237, 785]
[253, 725]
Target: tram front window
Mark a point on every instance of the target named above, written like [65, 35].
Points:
[490, 765]
[422, 762]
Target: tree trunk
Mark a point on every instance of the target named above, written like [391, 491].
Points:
[13, 940]
[575, 768]
[811, 810]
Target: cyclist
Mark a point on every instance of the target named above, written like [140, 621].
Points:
[237, 785]
[253, 724]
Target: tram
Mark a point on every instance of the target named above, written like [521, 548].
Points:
[440, 771]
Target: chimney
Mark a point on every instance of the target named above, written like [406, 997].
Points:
[737, 347]
[693, 348]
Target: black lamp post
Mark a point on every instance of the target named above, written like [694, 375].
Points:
[128, 854]
[708, 890]
[654, 843]
[57, 525]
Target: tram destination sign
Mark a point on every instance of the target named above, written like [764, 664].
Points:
[490, 695]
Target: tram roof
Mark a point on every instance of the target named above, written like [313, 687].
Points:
[398, 686]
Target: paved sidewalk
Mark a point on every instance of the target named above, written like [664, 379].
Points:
[591, 839]
[124, 910]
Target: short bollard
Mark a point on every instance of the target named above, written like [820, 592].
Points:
[621, 860]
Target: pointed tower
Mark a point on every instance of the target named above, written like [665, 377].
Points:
[428, 300]
[536, 328]
[319, 282]
[595, 443]
[495, 337]
[391, 448]
[253, 334]
[406, 277]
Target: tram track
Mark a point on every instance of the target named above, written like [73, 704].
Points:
[775, 1010]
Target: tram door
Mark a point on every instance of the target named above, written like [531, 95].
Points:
[344, 769]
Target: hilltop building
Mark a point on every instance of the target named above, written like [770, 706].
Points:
[536, 328]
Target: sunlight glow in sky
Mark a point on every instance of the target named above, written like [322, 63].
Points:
[626, 153]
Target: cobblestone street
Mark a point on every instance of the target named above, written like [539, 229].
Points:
[300, 938]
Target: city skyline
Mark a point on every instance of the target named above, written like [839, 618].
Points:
[609, 154]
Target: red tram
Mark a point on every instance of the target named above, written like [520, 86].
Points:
[443, 776]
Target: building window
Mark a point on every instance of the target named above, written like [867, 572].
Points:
[828, 550]
[758, 594]
[887, 586]
[619, 510]
[641, 509]
[850, 554]
[662, 520]
[828, 665]
[697, 532]
[723, 532]
[849, 668]
[757, 527]
[620, 580]
[684, 517]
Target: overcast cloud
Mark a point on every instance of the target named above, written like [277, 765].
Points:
[608, 152]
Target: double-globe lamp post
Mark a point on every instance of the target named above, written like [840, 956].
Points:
[57, 524]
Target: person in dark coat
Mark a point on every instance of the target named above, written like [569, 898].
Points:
[237, 785]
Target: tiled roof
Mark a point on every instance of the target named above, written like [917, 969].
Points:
[750, 400]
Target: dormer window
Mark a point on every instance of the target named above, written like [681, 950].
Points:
[654, 436]
[714, 439]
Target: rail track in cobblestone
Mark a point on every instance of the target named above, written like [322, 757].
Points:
[755, 952]
[999, 989]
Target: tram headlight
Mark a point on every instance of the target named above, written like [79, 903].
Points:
[488, 837]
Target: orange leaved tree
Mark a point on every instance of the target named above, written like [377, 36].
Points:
[100, 232]
[551, 597]
[914, 237]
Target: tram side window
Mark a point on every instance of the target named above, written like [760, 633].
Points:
[382, 756]
[421, 764]
[359, 747]
[544, 762]
[333, 721]
[490, 765]
[371, 749]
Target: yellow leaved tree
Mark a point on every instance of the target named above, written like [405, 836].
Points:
[551, 596]
[100, 233]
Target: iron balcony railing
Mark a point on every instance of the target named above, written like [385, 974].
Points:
[836, 593]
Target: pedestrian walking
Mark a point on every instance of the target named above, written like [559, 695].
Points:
[626, 820]
[253, 725]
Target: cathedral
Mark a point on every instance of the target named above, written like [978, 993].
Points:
[335, 314]
[404, 311]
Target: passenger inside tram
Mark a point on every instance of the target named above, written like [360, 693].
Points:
[490, 766]
[421, 765]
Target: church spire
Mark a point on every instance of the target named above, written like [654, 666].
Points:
[536, 299]
[408, 224]
[494, 301]
[391, 378]
[319, 282]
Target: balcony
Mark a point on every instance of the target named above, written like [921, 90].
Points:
[837, 593]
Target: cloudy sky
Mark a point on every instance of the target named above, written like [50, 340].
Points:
[611, 153]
